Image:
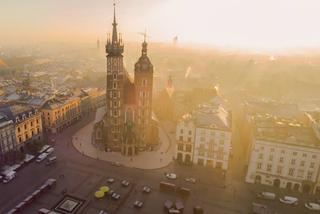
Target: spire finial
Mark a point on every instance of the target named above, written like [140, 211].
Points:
[145, 35]
[114, 12]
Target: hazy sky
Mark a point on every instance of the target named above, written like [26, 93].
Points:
[251, 24]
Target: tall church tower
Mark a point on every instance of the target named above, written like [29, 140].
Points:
[115, 88]
[143, 79]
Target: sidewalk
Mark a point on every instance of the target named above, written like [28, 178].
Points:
[145, 160]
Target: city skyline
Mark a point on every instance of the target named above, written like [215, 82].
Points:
[269, 25]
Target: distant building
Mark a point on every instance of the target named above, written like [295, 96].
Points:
[91, 99]
[27, 123]
[59, 113]
[283, 153]
[204, 136]
[7, 139]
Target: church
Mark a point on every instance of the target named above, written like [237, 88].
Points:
[127, 125]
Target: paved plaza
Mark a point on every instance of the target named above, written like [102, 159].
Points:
[159, 158]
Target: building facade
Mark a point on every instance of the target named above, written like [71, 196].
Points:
[185, 136]
[284, 153]
[27, 122]
[59, 113]
[204, 137]
[128, 102]
[8, 144]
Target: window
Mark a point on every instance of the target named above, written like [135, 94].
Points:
[180, 146]
[190, 132]
[114, 94]
[269, 167]
[295, 153]
[261, 156]
[282, 152]
[293, 161]
[18, 129]
[279, 169]
[291, 171]
[181, 138]
[272, 150]
[312, 165]
[281, 160]
[309, 175]
[259, 165]
[302, 163]
[114, 76]
[314, 156]
[189, 139]
[304, 155]
[114, 85]
[25, 126]
[181, 131]
[188, 148]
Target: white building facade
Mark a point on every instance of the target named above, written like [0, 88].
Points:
[204, 137]
[284, 155]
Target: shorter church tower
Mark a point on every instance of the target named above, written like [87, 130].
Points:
[143, 79]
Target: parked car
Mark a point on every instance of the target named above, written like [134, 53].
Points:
[138, 204]
[102, 212]
[312, 206]
[267, 195]
[172, 176]
[115, 164]
[110, 180]
[50, 150]
[43, 149]
[51, 182]
[13, 211]
[289, 200]
[174, 211]
[115, 196]
[41, 157]
[8, 175]
[21, 206]
[190, 180]
[146, 189]
[43, 211]
[28, 158]
[125, 183]
[51, 160]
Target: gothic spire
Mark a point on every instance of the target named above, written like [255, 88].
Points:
[114, 24]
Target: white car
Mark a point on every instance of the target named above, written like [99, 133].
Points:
[191, 180]
[312, 206]
[8, 176]
[50, 151]
[267, 195]
[171, 176]
[41, 157]
[116, 164]
[289, 200]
